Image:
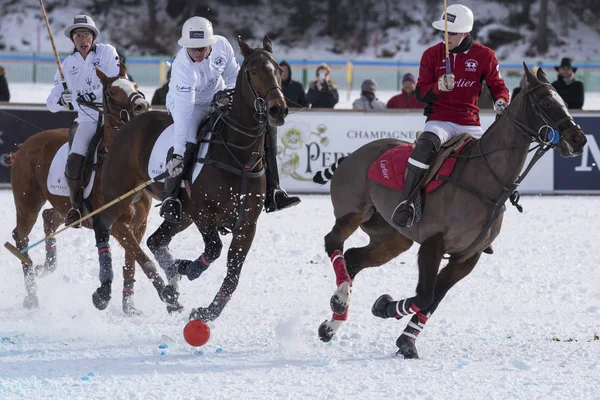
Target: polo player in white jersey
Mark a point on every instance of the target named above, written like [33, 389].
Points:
[80, 74]
[205, 65]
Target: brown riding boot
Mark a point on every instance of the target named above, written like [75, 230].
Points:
[73, 175]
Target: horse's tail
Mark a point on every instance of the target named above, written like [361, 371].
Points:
[322, 177]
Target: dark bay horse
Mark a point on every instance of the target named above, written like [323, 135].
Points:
[229, 192]
[461, 218]
[29, 173]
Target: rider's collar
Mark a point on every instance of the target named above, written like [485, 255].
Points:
[464, 46]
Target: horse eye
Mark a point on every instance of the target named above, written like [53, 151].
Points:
[253, 72]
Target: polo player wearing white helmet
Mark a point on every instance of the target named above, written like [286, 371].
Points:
[80, 74]
[451, 98]
[205, 65]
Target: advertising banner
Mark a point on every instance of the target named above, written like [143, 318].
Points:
[312, 141]
[17, 124]
[580, 174]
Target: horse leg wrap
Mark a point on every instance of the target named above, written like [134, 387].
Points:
[30, 284]
[402, 308]
[128, 288]
[50, 254]
[415, 326]
[340, 317]
[339, 267]
[166, 261]
[105, 259]
[197, 267]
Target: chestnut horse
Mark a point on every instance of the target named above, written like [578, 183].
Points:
[29, 174]
[229, 192]
[461, 218]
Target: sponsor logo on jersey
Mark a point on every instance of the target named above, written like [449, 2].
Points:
[96, 62]
[73, 71]
[88, 81]
[471, 65]
[464, 83]
[219, 61]
[183, 89]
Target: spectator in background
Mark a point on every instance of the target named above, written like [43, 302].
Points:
[292, 90]
[322, 93]
[522, 84]
[4, 92]
[407, 98]
[368, 101]
[160, 96]
[570, 89]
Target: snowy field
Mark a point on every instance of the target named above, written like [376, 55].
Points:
[521, 326]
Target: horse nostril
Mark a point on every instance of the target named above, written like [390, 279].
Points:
[138, 108]
[275, 111]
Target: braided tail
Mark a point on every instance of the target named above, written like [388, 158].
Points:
[322, 177]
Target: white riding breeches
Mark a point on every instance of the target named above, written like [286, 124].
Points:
[181, 136]
[447, 130]
[82, 137]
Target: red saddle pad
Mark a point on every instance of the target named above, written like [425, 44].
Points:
[389, 169]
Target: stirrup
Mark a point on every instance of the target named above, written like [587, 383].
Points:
[170, 209]
[72, 217]
[410, 208]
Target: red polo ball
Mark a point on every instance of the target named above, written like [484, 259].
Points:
[196, 333]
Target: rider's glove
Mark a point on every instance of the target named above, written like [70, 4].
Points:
[175, 165]
[446, 82]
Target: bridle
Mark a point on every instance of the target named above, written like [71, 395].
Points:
[547, 137]
[126, 109]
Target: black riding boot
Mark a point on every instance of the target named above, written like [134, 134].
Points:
[276, 198]
[73, 176]
[418, 164]
[170, 209]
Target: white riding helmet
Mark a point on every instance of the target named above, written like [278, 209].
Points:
[460, 19]
[82, 21]
[197, 32]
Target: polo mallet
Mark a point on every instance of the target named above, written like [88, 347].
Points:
[445, 37]
[60, 71]
[20, 254]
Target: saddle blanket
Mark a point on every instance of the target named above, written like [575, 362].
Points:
[390, 167]
[158, 158]
[57, 183]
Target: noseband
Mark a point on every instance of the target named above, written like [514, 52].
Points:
[126, 112]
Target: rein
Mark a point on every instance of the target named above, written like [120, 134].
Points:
[220, 107]
[509, 190]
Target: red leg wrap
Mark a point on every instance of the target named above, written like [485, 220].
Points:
[339, 267]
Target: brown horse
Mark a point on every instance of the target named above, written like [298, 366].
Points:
[461, 218]
[229, 192]
[29, 174]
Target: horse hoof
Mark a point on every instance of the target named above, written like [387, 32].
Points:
[326, 333]
[129, 308]
[340, 299]
[202, 314]
[31, 302]
[101, 297]
[44, 270]
[380, 306]
[175, 308]
[170, 295]
[407, 348]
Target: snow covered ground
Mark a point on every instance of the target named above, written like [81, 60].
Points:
[521, 326]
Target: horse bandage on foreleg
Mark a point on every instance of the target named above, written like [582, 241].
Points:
[105, 260]
[339, 267]
[416, 325]
[405, 307]
[198, 266]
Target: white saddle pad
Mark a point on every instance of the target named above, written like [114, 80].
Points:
[57, 183]
[158, 158]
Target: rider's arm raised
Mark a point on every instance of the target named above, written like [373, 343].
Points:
[53, 101]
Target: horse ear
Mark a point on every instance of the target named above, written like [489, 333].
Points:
[531, 79]
[267, 44]
[122, 70]
[246, 50]
[103, 78]
[541, 75]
